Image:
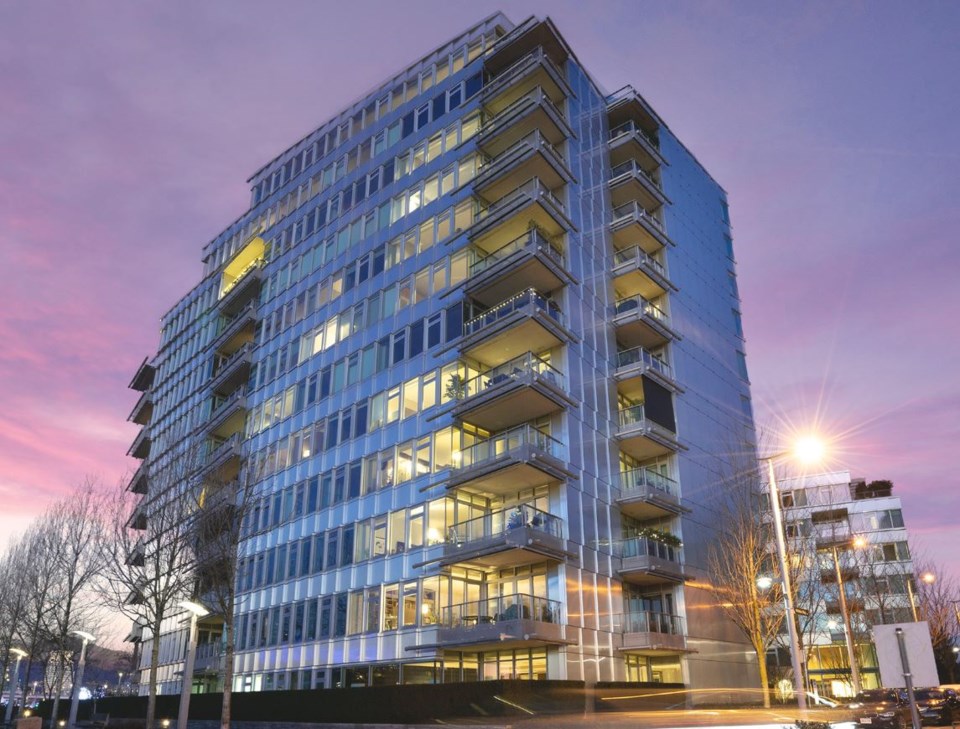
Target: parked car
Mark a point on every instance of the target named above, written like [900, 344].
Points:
[880, 709]
[937, 706]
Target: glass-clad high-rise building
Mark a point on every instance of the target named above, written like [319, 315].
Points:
[477, 341]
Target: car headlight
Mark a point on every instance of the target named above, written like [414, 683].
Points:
[888, 714]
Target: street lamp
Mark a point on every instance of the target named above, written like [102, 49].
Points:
[808, 450]
[75, 700]
[927, 577]
[858, 542]
[196, 611]
[15, 681]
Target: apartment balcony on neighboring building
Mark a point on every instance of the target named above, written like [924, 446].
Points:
[531, 205]
[209, 657]
[629, 182]
[647, 561]
[245, 289]
[534, 70]
[523, 323]
[634, 225]
[637, 272]
[641, 437]
[642, 323]
[522, 389]
[650, 633]
[625, 109]
[143, 378]
[229, 415]
[236, 330]
[143, 410]
[223, 457]
[510, 537]
[530, 157]
[830, 535]
[628, 141]
[232, 370]
[134, 597]
[854, 605]
[501, 270]
[138, 518]
[648, 494]
[636, 363]
[534, 111]
[137, 554]
[509, 462]
[828, 576]
[502, 623]
[140, 448]
[139, 483]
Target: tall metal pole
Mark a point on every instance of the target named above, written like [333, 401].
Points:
[908, 679]
[848, 629]
[791, 616]
[13, 687]
[187, 683]
[75, 700]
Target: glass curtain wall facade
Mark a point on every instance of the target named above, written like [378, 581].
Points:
[478, 341]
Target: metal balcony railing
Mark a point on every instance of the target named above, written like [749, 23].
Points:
[644, 480]
[648, 621]
[497, 523]
[531, 240]
[520, 67]
[641, 305]
[506, 442]
[639, 258]
[500, 609]
[630, 167]
[647, 547]
[639, 355]
[630, 127]
[532, 189]
[636, 210]
[525, 364]
[532, 97]
[533, 140]
[528, 300]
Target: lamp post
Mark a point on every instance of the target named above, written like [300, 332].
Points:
[119, 681]
[929, 578]
[809, 450]
[856, 542]
[14, 681]
[196, 611]
[75, 699]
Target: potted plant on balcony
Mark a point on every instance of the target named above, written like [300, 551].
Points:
[456, 388]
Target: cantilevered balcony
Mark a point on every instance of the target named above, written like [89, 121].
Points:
[223, 457]
[243, 290]
[637, 272]
[509, 462]
[209, 657]
[143, 410]
[628, 141]
[648, 494]
[519, 390]
[645, 561]
[534, 111]
[525, 322]
[633, 225]
[535, 70]
[528, 262]
[139, 483]
[641, 437]
[511, 537]
[229, 415]
[138, 518]
[629, 182]
[625, 106]
[637, 362]
[236, 330]
[507, 622]
[233, 370]
[532, 205]
[641, 323]
[137, 554]
[530, 35]
[143, 379]
[530, 157]
[650, 633]
[140, 448]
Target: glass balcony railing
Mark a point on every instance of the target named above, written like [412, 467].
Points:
[647, 547]
[642, 480]
[637, 257]
[648, 621]
[529, 301]
[531, 189]
[220, 450]
[533, 140]
[525, 364]
[630, 127]
[630, 167]
[640, 305]
[520, 67]
[535, 96]
[633, 415]
[640, 356]
[500, 609]
[498, 523]
[636, 210]
[507, 442]
[532, 240]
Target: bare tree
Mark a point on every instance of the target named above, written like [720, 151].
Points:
[13, 602]
[148, 550]
[936, 599]
[738, 556]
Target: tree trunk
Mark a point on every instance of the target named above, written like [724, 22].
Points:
[154, 662]
[227, 671]
[764, 678]
[58, 682]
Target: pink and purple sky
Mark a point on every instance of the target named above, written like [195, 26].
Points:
[128, 129]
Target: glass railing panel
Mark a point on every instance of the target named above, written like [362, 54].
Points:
[499, 522]
[632, 168]
[639, 304]
[647, 547]
[634, 209]
[507, 442]
[630, 127]
[531, 240]
[525, 364]
[643, 479]
[528, 299]
[638, 257]
[499, 609]
[648, 621]
[639, 355]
